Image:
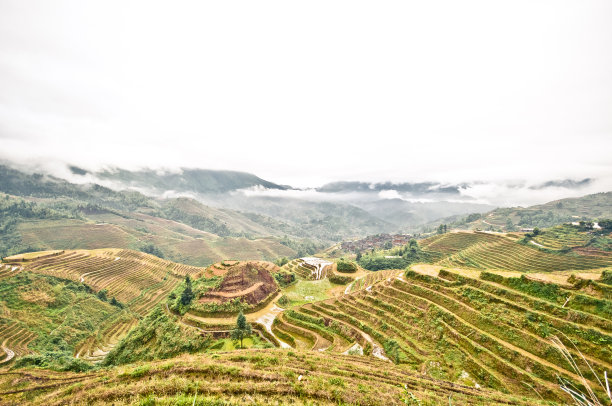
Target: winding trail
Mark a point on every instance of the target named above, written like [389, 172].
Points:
[84, 275]
[268, 318]
[10, 354]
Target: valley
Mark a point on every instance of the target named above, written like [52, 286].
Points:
[115, 296]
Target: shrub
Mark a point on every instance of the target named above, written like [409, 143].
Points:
[283, 301]
[346, 266]
[606, 277]
[488, 276]
[152, 249]
[340, 279]
[285, 278]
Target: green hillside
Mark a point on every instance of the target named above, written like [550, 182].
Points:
[184, 229]
[483, 329]
[81, 303]
[586, 208]
[40, 212]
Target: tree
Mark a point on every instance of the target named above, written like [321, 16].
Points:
[115, 302]
[187, 295]
[152, 249]
[102, 295]
[358, 257]
[282, 261]
[510, 225]
[441, 228]
[242, 330]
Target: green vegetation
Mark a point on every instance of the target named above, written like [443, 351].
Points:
[157, 336]
[43, 319]
[492, 330]
[285, 278]
[42, 212]
[152, 249]
[242, 329]
[606, 277]
[180, 300]
[346, 266]
[261, 377]
[340, 279]
[395, 258]
[497, 251]
[587, 209]
[304, 291]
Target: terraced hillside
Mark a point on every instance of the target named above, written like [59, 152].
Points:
[570, 237]
[134, 281]
[249, 282]
[481, 330]
[247, 377]
[46, 318]
[484, 250]
[134, 278]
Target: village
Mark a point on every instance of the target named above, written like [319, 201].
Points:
[376, 241]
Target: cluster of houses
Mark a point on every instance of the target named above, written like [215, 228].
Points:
[376, 241]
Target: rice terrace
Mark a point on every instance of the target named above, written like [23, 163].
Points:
[337, 203]
[478, 317]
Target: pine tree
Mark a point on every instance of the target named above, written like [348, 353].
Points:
[242, 330]
[187, 295]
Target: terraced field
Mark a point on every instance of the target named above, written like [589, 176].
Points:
[503, 251]
[6, 271]
[469, 330]
[371, 278]
[138, 281]
[15, 338]
[248, 377]
[565, 236]
[309, 268]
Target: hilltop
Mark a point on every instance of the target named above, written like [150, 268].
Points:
[248, 282]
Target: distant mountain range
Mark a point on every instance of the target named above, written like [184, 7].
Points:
[186, 180]
[220, 214]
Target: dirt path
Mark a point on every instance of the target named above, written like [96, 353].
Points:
[10, 354]
[84, 275]
[491, 224]
[267, 319]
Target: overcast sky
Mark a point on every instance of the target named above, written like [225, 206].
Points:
[308, 92]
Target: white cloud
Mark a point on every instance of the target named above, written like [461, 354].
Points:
[306, 93]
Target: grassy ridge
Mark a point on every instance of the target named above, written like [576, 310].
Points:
[251, 377]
